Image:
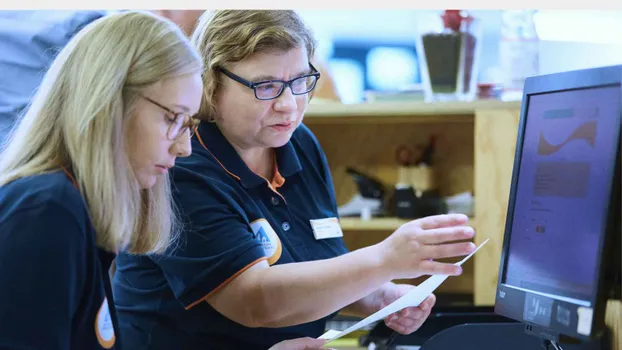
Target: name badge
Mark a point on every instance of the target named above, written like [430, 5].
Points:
[326, 228]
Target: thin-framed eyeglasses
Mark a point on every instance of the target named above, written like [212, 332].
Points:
[271, 89]
[179, 122]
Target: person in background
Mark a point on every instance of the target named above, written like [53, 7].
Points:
[185, 19]
[262, 259]
[29, 41]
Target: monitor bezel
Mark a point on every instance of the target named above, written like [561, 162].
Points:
[551, 83]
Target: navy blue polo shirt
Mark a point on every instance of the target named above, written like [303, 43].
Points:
[53, 278]
[234, 218]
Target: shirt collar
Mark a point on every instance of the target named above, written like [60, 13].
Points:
[210, 137]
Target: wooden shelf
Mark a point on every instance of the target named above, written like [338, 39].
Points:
[376, 224]
[401, 112]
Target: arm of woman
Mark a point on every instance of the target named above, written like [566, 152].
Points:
[221, 261]
[42, 274]
[290, 294]
[300, 344]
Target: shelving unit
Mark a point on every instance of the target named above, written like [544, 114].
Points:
[414, 111]
[378, 224]
[366, 136]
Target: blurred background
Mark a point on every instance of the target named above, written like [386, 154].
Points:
[376, 49]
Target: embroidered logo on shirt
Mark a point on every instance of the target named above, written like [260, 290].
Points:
[103, 326]
[269, 239]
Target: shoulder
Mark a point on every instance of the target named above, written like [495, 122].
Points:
[199, 161]
[308, 147]
[199, 180]
[50, 27]
[29, 42]
[304, 137]
[200, 166]
[47, 196]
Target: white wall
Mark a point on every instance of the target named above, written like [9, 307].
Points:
[559, 56]
[579, 39]
[569, 39]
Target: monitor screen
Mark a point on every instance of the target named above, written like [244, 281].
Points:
[563, 189]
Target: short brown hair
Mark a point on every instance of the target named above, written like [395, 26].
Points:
[226, 36]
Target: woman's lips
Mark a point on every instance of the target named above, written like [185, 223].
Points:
[282, 127]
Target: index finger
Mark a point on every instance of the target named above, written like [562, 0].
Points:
[446, 234]
[443, 220]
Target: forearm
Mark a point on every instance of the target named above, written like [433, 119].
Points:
[368, 304]
[297, 293]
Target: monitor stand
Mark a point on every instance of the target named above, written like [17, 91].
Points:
[501, 336]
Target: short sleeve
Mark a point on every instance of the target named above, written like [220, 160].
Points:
[42, 273]
[217, 243]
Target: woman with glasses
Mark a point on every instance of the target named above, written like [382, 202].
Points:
[262, 259]
[83, 175]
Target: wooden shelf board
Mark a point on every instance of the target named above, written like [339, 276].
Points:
[377, 224]
[409, 109]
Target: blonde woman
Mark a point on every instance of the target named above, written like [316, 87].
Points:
[262, 259]
[84, 175]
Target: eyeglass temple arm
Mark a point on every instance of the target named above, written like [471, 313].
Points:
[236, 78]
[315, 70]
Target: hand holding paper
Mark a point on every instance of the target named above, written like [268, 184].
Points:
[413, 298]
[300, 344]
[409, 319]
[412, 250]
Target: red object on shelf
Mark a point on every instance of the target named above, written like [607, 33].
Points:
[452, 19]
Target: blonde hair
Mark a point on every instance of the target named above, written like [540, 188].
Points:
[227, 36]
[79, 116]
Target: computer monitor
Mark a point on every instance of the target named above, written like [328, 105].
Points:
[561, 245]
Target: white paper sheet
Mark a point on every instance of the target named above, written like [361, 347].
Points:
[412, 298]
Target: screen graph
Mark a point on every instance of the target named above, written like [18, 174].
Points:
[586, 132]
[567, 157]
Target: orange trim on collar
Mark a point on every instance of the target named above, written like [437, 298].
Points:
[70, 176]
[277, 179]
[203, 144]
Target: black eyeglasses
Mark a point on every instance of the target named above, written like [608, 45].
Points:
[271, 89]
[179, 122]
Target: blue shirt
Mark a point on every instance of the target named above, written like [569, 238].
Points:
[29, 42]
[234, 218]
[54, 283]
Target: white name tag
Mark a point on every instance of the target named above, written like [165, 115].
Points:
[326, 228]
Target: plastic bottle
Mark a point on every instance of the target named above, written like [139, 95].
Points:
[518, 51]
